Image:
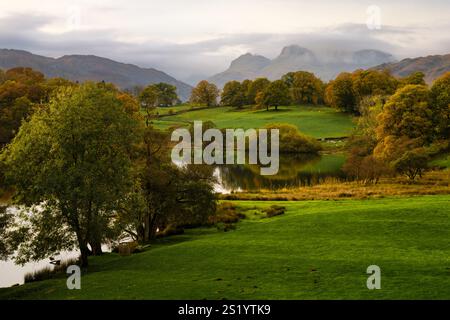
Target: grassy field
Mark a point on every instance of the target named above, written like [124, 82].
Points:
[317, 250]
[319, 122]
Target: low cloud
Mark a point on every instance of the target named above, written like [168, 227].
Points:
[196, 60]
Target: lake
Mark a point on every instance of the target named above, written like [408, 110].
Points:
[294, 171]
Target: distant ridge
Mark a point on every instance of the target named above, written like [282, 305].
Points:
[90, 67]
[326, 64]
[432, 66]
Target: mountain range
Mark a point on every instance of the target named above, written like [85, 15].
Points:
[326, 64]
[89, 67]
[432, 66]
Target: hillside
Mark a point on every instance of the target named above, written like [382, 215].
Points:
[326, 64]
[89, 67]
[432, 66]
[319, 122]
[316, 250]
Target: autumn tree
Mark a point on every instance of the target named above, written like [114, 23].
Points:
[256, 87]
[233, 94]
[70, 164]
[245, 86]
[372, 82]
[205, 93]
[340, 94]
[158, 95]
[21, 90]
[304, 87]
[407, 113]
[2, 76]
[276, 94]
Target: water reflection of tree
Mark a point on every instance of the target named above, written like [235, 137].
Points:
[294, 171]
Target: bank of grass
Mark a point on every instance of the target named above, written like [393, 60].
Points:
[432, 183]
[315, 121]
[164, 111]
[442, 161]
[315, 250]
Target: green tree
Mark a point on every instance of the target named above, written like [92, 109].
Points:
[165, 196]
[158, 95]
[440, 103]
[276, 94]
[5, 220]
[233, 94]
[167, 94]
[73, 160]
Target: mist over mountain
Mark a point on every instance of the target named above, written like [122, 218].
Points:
[246, 66]
[89, 67]
[326, 64]
[432, 66]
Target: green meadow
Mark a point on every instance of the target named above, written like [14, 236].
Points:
[316, 121]
[316, 250]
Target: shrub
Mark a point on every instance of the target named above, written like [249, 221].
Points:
[274, 210]
[366, 169]
[412, 163]
[227, 213]
[225, 227]
[292, 141]
[48, 272]
[127, 248]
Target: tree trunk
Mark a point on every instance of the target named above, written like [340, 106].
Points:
[84, 256]
[96, 247]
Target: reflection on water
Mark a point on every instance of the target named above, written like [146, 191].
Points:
[295, 171]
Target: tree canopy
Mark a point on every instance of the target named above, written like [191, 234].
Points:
[276, 94]
[233, 94]
[205, 93]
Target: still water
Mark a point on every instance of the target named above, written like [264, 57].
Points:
[294, 171]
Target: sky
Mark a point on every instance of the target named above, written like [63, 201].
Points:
[194, 39]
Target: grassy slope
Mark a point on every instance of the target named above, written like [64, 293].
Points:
[275, 258]
[443, 161]
[319, 122]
